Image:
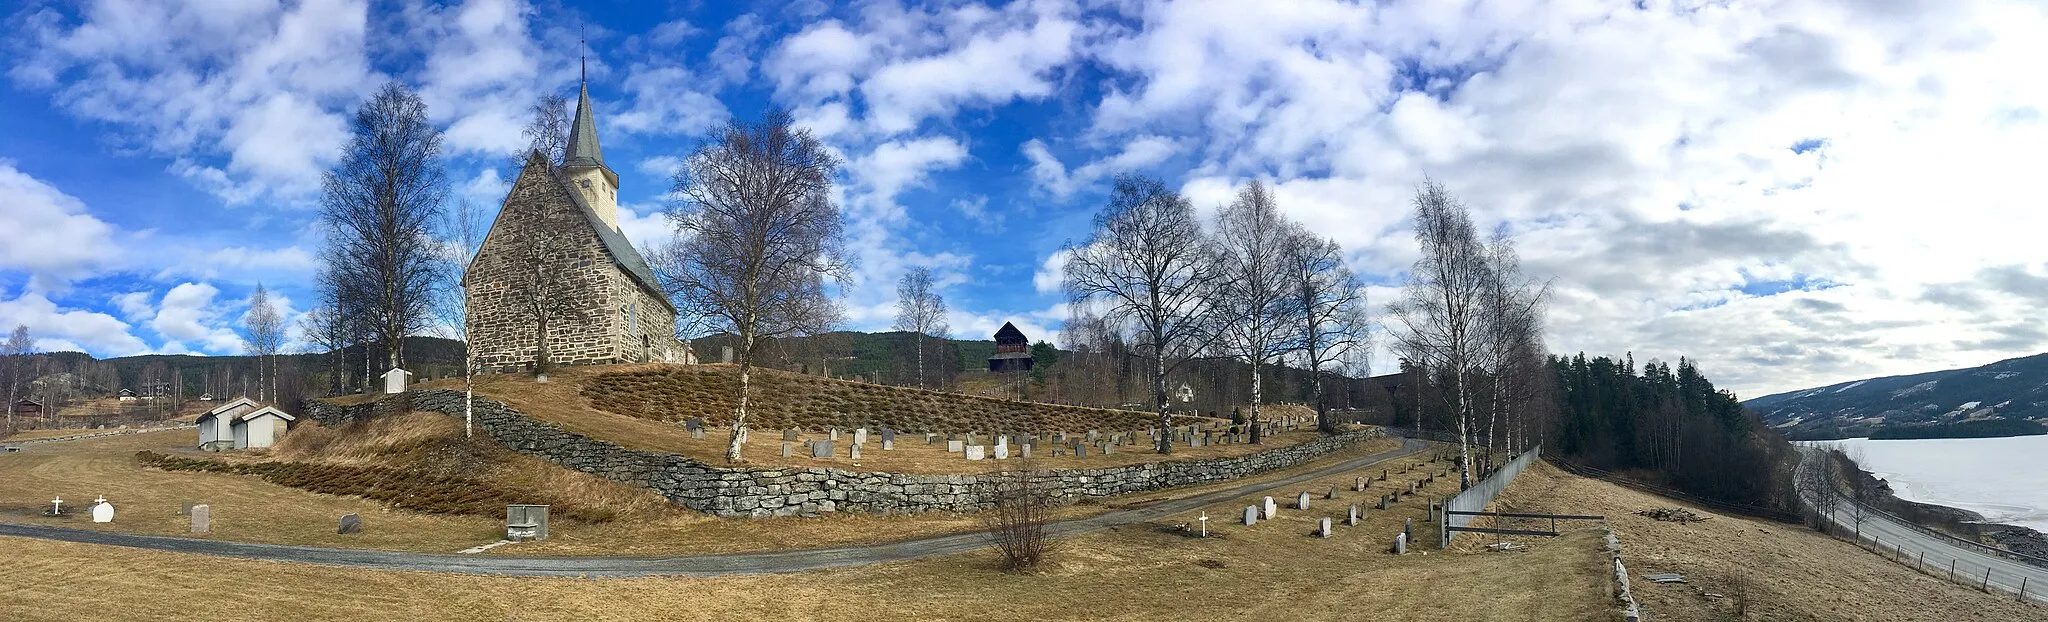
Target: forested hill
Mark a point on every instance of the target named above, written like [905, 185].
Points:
[2009, 390]
[1670, 424]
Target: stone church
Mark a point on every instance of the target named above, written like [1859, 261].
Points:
[566, 219]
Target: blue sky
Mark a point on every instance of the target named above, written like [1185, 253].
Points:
[1793, 193]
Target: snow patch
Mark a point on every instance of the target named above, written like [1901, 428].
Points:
[1852, 385]
[1914, 389]
[2005, 374]
[1967, 405]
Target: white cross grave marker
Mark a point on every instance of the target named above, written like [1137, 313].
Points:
[1205, 524]
[57, 506]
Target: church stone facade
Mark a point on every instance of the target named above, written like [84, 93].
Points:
[565, 219]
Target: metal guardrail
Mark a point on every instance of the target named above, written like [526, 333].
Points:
[1944, 536]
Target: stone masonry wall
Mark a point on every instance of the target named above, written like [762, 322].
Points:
[538, 210]
[758, 491]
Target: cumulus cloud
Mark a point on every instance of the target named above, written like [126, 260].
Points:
[52, 238]
[56, 328]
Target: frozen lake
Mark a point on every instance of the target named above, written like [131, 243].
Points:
[2001, 478]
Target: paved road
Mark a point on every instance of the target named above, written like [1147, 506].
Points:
[1934, 554]
[704, 565]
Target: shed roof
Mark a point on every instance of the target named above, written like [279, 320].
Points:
[1009, 334]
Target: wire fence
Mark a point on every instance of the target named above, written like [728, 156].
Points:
[1980, 547]
[1944, 563]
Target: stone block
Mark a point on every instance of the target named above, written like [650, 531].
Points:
[1251, 515]
[821, 449]
[202, 518]
[975, 452]
[954, 447]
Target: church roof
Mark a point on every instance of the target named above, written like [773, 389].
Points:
[615, 243]
[1009, 334]
[582, 149]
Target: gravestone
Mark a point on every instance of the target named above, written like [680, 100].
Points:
[1024, 451]
[860, 436]
[1080, 450]
[103, 512]
[202, 518]
[854, 451]
[1301, 502]
[1270, 509]
[1401, 544]
[1383, 502]
[350, 524]
[832, 435]
[1331, 494]
[1002, 452]
[1408, 527]
[888, 444]
[525, 522]
[697, 434]
[976, 452]
[694, 424]
[785, 449]
[1352, 518]
[931, 438]
[1108, 449]
[789, 434]
[888, 435]
[821, 449]
[954, 447]
[1251, 515]
[1358, 484]
[1324, 528]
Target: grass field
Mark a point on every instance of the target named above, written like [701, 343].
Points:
[1153, 571]
[564, 401]
[1792, 573]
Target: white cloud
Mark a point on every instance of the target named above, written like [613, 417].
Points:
[56, 328]
[51, 237]
[260, 86]
[135, 306]
[1051, 276]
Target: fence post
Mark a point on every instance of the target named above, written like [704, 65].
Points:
[2023, 588]
[1987, 580]
[1951, 570]
[1922, 564]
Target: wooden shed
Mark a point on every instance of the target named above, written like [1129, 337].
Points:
[260, 428]
[216, 427]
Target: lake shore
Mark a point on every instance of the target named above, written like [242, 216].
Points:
[1959, 522]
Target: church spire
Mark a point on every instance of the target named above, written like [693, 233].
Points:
[582, 149]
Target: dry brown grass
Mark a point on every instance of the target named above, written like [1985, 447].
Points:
[1271, 571]
[563, 402]
[1791, 572]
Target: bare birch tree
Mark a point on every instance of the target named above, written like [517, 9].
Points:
[1438, 323]
[546, 131]
[757, 238]
[1330, 313]
[466, 228]
[1512, 310]
[1254, 314]
[920, 310]
[380, 203]
[263, 336]
[14, 356]
[326, 328]
[1148, 266]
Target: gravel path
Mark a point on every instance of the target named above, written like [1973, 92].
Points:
[703, 565]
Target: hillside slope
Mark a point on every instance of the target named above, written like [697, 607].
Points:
[676, 393]
[2012, 389]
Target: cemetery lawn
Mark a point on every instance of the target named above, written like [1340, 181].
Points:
[1793, 572]
[563, 402]
[1274, 570]
[246, 508]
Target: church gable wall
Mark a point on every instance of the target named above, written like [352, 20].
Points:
[502, 337]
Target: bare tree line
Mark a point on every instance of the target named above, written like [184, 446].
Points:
[1152, 279]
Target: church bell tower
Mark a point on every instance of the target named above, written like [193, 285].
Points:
[583, 163]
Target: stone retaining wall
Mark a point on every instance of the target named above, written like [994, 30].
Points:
[758, 491]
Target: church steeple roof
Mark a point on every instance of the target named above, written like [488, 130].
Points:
[582, 149]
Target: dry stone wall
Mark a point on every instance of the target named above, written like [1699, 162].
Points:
[757, 491]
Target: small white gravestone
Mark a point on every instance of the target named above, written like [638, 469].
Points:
[102, 512]
[954, 447]
[860, 436]
[976, 452]
[854, 451]
[888, 444]
[1352, 519]
[202, 518]
[1400, 544]
[1301, 502]
[1324, 529]
[1002, 452]
[394, 380]
[1251, 515]
[1270, 509]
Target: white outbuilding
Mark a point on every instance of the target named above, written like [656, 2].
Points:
[216, 427]
[242, 423]
[261, 427]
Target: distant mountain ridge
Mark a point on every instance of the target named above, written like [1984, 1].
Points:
[2012, 389]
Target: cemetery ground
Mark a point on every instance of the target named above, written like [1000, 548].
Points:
[1774, 571]
[598, 402]
[1274, 569]
[247, 508]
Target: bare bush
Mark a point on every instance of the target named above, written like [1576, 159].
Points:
[1017, 524]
